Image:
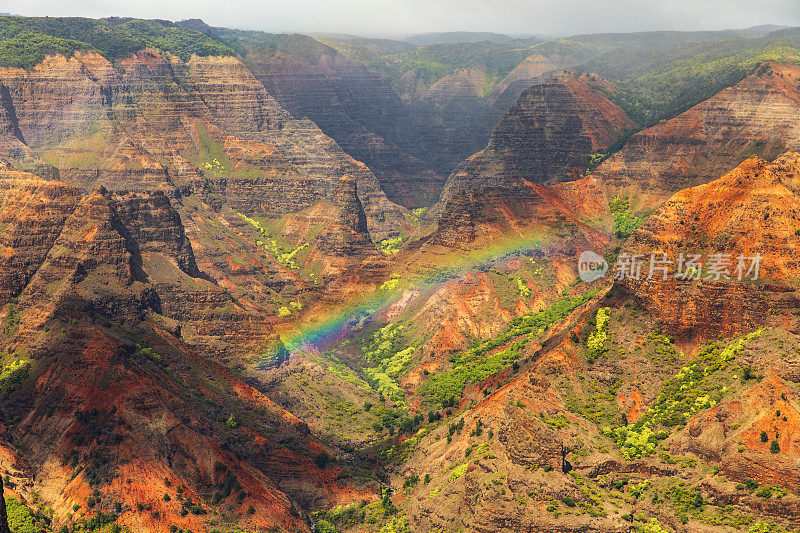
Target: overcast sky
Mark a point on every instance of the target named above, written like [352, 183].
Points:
[403, 17]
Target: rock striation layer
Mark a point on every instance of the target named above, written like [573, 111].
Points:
[757, 116]
[749, 211]
[349, 103]
[158, 123]
[548, 135]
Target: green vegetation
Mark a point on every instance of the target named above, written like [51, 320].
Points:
[230, 484]
[697, 386]
[343, 516]
[387, 347]
[655, 76]
[765, 527]
[769, 491]
[677, 81]
[11, 322]
[21, 519]
[324, 526]
[391, 246]
[598, 402]
[522, 287]
[25, 41]
[384, 378]
[625, 223]
[428, 64]
[661, 349]
[13, 374]
[598, 157]
[474, 365]
[149, 353]
[284, 256]
[349, 516]
[458, 471]
[653, 527]
[431, 63]
[391, 284]
[287, 258]
[385, 342]
[396, 524]
[27, 49]
[596, 343]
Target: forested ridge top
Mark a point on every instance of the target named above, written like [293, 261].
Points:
[656, 75]
[26, 41]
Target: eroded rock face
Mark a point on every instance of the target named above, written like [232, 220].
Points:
[152, 225]
[101, 395]
[340, 244]
[547, 136]
[505, 94]
[355, 107]
[751, 210]
[33, 214]
[757, 116]
[119, 256]
[304, 148]
[348, 229]
[116, 325]
[156, 123]
[449, 114]
[552, 128]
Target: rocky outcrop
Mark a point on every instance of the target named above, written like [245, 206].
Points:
[547, 136]
[349, 103]
[757, 116]
[149, 221]
[340, 244]
[119, 335]
[751, 211]
[114, 256]
[347, 231]
[32, 215]
[146, 126]
[53, 100]
[554, 125]
[504, 95]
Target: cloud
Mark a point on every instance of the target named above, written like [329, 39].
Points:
[402, 17]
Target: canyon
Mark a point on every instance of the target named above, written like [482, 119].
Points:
[276, 282]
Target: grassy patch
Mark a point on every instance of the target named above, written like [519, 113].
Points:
[475, 365]
[699, 385]
[390, 246]
[13, 374]
[625, 222]
[596, 343]
[22, 519]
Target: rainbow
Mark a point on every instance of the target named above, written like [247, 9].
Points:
[335, 323]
